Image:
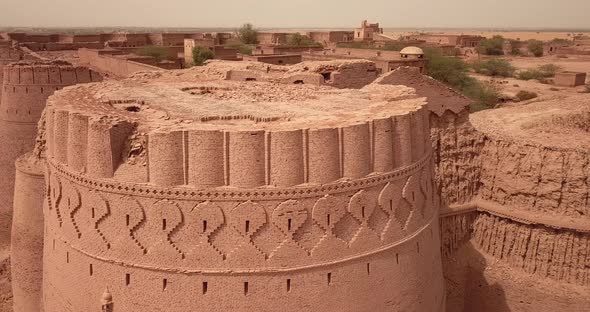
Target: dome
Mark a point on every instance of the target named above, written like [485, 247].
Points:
[412, 51]
[107, 298]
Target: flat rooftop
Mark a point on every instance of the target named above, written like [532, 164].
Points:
[192, 99]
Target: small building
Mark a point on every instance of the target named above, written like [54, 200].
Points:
[275, 59]
[272, 38]
[411, 53]
[328, 37]
[264, 50]
[570, 79]
[367, 30]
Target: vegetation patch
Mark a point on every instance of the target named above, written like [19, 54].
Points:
[540, 73]
[526, 95]
[202, 54]
[495, 67]
[454, 72]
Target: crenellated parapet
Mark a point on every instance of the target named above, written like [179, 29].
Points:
[27, 85]
[145, 195]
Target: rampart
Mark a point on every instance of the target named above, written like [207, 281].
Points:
[119, 67]
[335, 213]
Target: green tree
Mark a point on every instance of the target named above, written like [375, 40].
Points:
[494, 67]
[454, 72]
[535, 47]
[493, 46]
[247, 34]
[158, 52]
[202, 54]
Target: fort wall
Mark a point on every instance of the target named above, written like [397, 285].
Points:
[111, 64]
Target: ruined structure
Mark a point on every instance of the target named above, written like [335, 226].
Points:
[328, 38]
[367, 31]
[385, 61]
[570, 79]
[239, 200]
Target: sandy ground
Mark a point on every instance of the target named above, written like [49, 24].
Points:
[476, 282]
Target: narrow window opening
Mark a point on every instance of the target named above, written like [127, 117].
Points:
[397, 258]
[289, 224]
[391, 205]
[368, 269]
[67, 257]
[413, 196]
[163, 224]
[329, 278]
[27, 90]
[328, 219]
[54, 244]
[127, 220]
[91, 270]
[204, 226]
[250, 79]
[288, 284]
[205, 288]
[164, 284]
[127, 279]
[245, 288]
[41, 90]
[363, 212]
[298, 82]
[92, 213]
[247, 226]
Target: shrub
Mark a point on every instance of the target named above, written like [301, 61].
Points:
[484, 95]
[493, 46]
[525, 95]
[247, 34]
[549, 69]
[540, 73]
[535, 47]
[158, 52]
[201, 54]
[494, 67]
[454, 73]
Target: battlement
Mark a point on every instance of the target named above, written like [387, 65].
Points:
[28, 84]
[45, 73]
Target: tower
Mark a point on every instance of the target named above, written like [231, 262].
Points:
[282, 202]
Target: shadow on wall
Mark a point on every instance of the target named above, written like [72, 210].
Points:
[467, 287]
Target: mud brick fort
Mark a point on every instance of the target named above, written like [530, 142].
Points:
[327, 179]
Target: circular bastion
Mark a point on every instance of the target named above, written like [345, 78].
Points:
[534, 188]
[181, 194]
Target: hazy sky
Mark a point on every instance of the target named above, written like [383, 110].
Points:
[298, 13]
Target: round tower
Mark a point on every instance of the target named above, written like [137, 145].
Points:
[8, 55]
[25, 89]
[184, 195]
[27, 243]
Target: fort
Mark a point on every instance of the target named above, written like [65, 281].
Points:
[296, 179]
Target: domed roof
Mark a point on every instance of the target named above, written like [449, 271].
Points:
[412, 51]
[107, 298]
